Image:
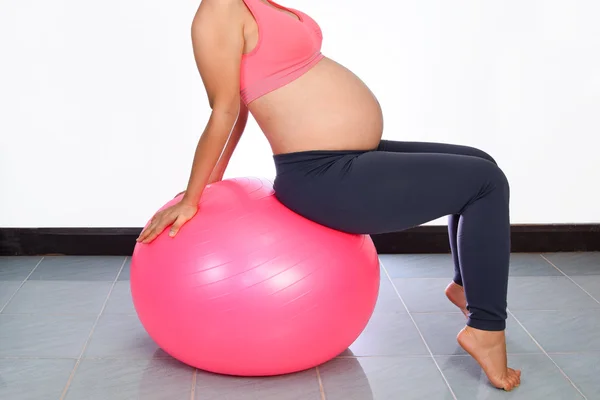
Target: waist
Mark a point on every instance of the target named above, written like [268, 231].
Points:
[311, 161]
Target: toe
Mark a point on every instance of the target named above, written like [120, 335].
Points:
[515, 379]
[517, 376]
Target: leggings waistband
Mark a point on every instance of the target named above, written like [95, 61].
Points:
[313, 154]
[285, 162]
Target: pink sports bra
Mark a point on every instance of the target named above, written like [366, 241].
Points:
[287, 48]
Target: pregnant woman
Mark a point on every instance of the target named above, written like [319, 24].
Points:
[325, 130]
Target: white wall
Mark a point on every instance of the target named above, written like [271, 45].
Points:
[101, 105]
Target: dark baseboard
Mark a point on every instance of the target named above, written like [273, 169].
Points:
[524, 239]
[423, 239]
[68, 241]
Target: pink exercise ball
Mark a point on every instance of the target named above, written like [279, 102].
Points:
[250, 288]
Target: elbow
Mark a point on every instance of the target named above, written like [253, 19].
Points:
[229, 105]
[225, 115]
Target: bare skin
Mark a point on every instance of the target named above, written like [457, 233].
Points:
[456, 295]
[327, 108]
[487, 348]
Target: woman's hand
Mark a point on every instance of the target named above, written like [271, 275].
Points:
[175, 217]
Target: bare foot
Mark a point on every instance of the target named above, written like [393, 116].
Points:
[489, 350]
[456, 294]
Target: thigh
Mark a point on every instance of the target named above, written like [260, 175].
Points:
[427, 147]
[379, 192]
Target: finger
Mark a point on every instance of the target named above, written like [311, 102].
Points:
[146, 231]
[150, 230]
[158, 228]
[153, 233]
[151, 236]
[149, 227]
[177, 226]
[143, 234]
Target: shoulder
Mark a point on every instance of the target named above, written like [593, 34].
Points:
[220, 5]
[219, 12]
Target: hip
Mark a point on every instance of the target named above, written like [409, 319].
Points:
[317, 185]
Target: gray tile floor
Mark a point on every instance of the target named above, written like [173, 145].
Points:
[68, 330]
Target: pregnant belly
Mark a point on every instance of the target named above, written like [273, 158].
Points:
[328, 108]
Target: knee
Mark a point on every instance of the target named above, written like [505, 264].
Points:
[496, 179]
[482, 154]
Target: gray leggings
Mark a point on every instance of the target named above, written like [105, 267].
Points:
[400, 185]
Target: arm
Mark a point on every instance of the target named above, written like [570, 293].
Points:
[218, 48]
[218, 44]
[234, 139]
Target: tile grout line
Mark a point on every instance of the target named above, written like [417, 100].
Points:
[21, 285]
[335, 358]
[194, 379]
[594, 352]
[321, 387]
[418, 331]
[547, 355]
[517, 309]
[87, 341]
[80, 314]
[569, 278]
